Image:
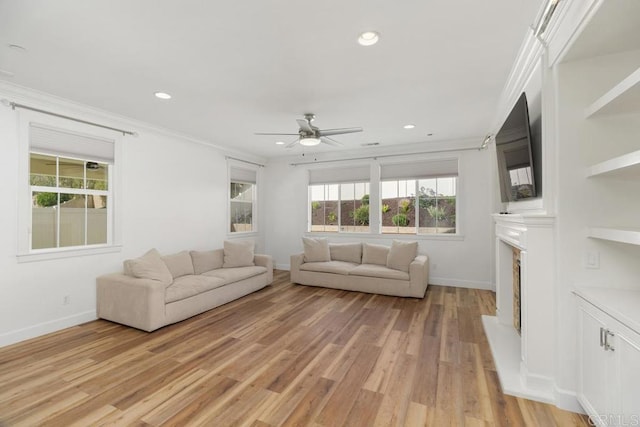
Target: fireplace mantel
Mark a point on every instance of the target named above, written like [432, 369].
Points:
[524, 362]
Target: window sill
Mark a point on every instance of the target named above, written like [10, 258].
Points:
[242, 234]
[46, 254]
[389, 236]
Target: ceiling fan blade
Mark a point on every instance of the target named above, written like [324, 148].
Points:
[327, 132]
[292, 144]
[331, 141]
[271, 133]
[305, 125]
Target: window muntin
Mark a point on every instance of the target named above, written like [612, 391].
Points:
[70, 202]
[242, 202]
[419, 206]
[342, 207]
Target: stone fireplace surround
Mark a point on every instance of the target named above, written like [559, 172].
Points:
[525, 363]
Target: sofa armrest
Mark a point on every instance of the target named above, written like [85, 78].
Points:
[294, 269]
[419, 275]
[265, 261]
[131, 301]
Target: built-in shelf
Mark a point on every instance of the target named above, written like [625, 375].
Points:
[627, 165]
[621, 304]
[622, 98]
[622, 235]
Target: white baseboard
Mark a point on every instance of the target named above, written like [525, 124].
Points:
[568, 400]
[457, 283]
[29, 332]
[286, 267]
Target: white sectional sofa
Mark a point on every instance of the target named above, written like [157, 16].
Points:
[397, 270]
[154, 291]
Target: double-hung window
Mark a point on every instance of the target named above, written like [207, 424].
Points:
[70, 189]
[419, 198]
[339, 200]
[242, 199]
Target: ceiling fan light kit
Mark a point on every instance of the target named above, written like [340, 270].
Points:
[309, 142]
[309, 135]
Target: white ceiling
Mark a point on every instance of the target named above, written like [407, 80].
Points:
[235, 68]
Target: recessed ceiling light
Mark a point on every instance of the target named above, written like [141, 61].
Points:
[162, 95]
[368, 38]
[279, 143]
[17, 47]
[409, 126]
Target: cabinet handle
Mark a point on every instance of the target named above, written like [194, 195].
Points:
[607, 334]
[601, 336]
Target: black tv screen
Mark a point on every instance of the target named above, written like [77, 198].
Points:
[515, 161]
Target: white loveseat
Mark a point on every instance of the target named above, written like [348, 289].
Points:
[154, 291]
[397, 270]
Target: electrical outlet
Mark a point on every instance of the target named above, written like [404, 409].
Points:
[434, 266]
[592, 260]
[66, 300]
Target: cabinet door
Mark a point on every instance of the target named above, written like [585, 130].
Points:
[627, 349]
[594, 383]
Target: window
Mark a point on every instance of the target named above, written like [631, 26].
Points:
[339, 200]
[70, 191]
[419, 198]
[242, 200]
[422, 206]
[340, 207]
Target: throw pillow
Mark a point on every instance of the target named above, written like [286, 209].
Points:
[316, 249]
[238, 254]
[179, 264]
[347, 252]
[374, 254]
[204, 261]
[401, 254]
[149, 266]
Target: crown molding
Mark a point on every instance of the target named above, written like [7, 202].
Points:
[45, 101]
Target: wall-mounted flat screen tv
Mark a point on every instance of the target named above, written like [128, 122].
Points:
[515, 161]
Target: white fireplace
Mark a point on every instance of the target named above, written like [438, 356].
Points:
[525, 361]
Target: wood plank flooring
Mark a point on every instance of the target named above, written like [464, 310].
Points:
[288, 355]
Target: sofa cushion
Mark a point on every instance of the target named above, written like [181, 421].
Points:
[231, 275]
[149, 266]
[179, 264]
[204, 261]
[188, 286]
[348, 252]
[238, 254]
[337, 267]
[374, 270]
[401, 254]
[316, 249]
[375, 254]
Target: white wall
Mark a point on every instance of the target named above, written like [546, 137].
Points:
[173, 197]
[457, 261]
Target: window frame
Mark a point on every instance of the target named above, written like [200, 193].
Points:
[416, 205]
[24, 252]
[375, 201]
[256, 169]
[339, 208]
[80, 191]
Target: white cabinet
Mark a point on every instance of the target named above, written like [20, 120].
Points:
[609, 365]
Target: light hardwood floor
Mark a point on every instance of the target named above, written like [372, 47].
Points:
[286, 355]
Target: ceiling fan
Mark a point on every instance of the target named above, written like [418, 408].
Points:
[309, 135]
